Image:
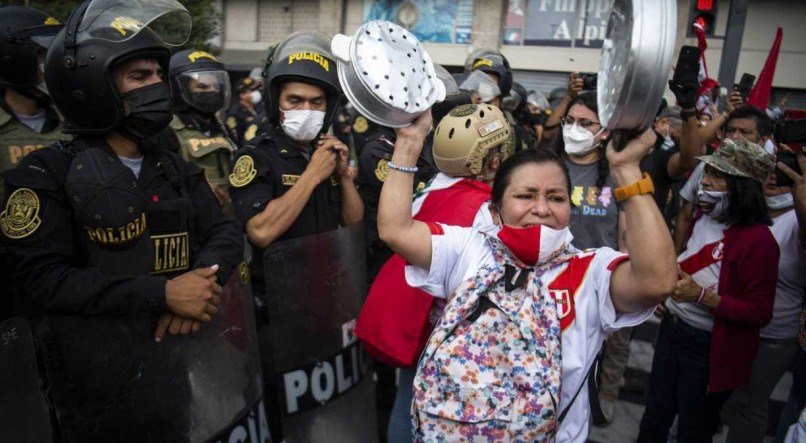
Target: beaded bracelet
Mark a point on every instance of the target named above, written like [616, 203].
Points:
[702, 295]
[409, 169]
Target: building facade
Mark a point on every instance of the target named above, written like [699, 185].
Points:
[544, 40]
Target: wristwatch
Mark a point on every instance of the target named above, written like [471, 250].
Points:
[643, 186]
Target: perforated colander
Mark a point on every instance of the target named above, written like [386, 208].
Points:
[386, 74]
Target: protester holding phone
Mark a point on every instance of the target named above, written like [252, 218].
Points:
[746, 411]
[709, 334]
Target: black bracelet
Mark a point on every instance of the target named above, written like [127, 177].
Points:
[685, 115]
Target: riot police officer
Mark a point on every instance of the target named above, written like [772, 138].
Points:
[494, 64]
[244, 118]
[116, 241]
[27, 120]
[200, 87]
[292, 181]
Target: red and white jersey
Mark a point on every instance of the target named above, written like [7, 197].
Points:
[702, 260]
[581, 287]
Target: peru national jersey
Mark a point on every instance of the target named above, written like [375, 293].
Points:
[580, 286]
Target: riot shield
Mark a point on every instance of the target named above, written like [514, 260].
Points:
[24, 415]
[315, 287]
[110, 381]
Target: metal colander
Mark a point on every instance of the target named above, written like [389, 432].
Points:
[386, 74]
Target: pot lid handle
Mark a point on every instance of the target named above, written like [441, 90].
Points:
[340, 46]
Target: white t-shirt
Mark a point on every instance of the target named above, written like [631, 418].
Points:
[689, 190]
[458, 253]
[791, 278]
[702, 260]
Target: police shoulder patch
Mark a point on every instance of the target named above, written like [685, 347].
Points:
[360, 125]
[243, 172]
[21, 216]
[250, 132]
[382, 170]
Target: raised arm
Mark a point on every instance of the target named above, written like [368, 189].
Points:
[409, 238]
[650, 274]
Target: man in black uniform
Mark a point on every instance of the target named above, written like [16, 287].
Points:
[243, 118]
[28, 121]
[115, 241]
[293, 181]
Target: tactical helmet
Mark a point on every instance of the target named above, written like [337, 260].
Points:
[305, 57]
[99, 35]
[491, 62]
[465, 136]
[198, 81]
[23, 33]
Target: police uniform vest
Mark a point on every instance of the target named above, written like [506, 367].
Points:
[266, 169]
[17, 140]
[165, 225]
[212, 153]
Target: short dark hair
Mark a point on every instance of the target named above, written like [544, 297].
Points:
[504, 174]
[746, 203]
[763, 122]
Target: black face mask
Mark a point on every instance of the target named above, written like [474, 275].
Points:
[208, 102]
[149, 112]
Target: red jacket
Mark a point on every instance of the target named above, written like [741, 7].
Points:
[747, 280]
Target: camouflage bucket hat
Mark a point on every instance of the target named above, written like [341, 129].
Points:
[741, 158]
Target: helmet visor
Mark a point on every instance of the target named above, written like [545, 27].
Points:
[536, 98]
[451, 87]
[120, 20]
[481, 84]
[512, 101]
[206, 90]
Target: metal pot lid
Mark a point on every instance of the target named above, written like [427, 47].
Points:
[636, 57]
[392, 65]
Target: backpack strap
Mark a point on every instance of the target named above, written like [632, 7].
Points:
[591, 378]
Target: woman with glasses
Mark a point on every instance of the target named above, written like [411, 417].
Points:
[709, 335]
[595, 214]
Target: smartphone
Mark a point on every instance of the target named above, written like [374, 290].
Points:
[789, 159]
[589, 80]
[688, 65]
[745, 85]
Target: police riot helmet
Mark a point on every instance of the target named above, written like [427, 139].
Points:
[99, 35]
[515, 102]
[465, 136]
[303, 56]
[24, 35]
[491, 62]
[199, 82]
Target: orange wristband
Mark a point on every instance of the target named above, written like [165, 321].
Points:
[643, 186]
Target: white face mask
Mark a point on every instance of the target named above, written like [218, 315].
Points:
[303, 125]
[256, 97]
[578, 141]
[781, 201]
[712, 203]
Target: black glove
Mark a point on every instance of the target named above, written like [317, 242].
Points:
[685, 92]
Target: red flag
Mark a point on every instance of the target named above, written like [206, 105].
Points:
[702, 43]
[760, 95]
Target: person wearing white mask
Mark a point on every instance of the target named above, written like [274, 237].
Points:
[746, 411]
[595, 215]
[294, 180]
[245, 117]
[493, 369]
[709, 335]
